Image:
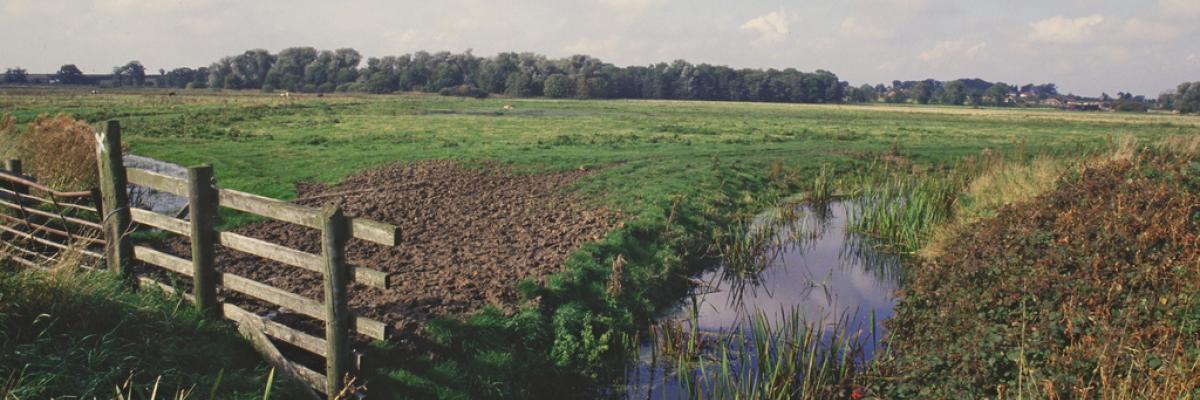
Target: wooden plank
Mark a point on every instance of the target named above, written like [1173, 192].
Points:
[157, 181]
[252, 328]
[300, 304]
[164, 260]
[202, 198]
[271, 251]
[113, 183]
[338, 318]
[309, 343]
[151, 218]
[372, 231]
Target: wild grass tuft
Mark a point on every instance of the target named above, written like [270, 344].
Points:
[69, 332]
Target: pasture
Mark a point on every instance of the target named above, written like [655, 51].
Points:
[684, 179]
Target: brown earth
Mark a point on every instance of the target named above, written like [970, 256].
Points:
[468, 237]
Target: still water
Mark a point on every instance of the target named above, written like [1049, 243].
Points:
[816, 269]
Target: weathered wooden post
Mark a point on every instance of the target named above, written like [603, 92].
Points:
[202, 201]
[14, 167]
[118, 248]
[335, 232]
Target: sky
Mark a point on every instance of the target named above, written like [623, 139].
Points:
[1085, 46]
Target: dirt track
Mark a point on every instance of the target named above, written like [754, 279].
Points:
[468, 237]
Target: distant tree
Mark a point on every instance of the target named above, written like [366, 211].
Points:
[1187, 98]
[998, 93]
[16, 75]
[955, 92]
[287, 73]
[1166, 101]
[69, 74]
[922, 92]
[558, 86]
[132, 73]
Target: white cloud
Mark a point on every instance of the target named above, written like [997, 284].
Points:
[1066, 30]
[952, 49]
[772, 27]
[853, 29]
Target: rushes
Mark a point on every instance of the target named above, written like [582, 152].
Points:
[904, 210]
[790, 358]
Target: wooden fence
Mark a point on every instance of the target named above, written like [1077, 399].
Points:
[117, 219]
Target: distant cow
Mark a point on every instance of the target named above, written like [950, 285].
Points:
[95, 92]
[508, 107]
[171, 94]
[285, 95]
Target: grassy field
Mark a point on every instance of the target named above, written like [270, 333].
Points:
[689, 174]
[647, 149]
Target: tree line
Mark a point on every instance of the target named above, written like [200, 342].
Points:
[306, 69]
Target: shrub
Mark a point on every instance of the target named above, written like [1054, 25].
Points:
[60, 151]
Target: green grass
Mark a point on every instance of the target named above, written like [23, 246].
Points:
[74, 333]
[689, 174]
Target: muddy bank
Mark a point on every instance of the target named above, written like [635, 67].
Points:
[469, 236]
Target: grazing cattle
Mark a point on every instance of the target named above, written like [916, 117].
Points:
[171, 94]
[95, 92]
[285, 95]
[508, 107]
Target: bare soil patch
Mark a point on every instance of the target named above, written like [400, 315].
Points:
[469, 236]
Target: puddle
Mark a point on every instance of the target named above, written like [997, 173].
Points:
[816, 270]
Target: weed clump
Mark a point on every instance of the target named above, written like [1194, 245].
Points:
[59, 150]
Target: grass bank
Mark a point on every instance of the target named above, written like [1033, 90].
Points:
[1080, 285]
[67, 333]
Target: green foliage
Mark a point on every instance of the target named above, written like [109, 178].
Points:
[1187, 98]
[82, 334]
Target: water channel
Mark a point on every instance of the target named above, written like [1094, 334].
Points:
[816, 269]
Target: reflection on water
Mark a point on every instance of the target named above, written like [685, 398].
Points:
[816, 268]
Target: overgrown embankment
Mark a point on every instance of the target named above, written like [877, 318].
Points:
[1086, 291]
[66, 333]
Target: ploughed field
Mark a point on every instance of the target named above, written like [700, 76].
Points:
[467, 236]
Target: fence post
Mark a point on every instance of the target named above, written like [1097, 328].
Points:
[118, 249]
[202, 199]
[14, 167]
[337, 311]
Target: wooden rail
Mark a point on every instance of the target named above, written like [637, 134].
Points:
[371, 231]
[204, 198]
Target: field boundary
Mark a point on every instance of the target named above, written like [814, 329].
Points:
[103, 234]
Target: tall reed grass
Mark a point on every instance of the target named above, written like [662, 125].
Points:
[785, 357]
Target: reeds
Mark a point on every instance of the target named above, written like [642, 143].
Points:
[786, 357]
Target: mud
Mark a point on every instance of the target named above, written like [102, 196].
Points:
[468, 237]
